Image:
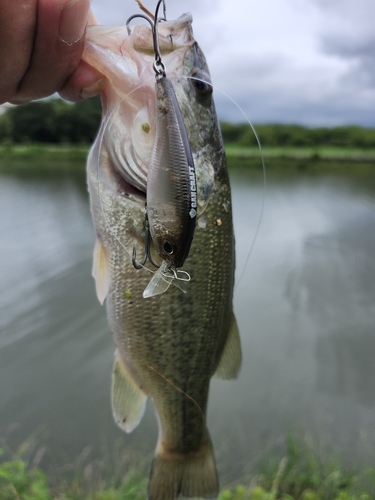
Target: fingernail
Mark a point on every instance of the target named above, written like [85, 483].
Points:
[93, 89]
[73, 20]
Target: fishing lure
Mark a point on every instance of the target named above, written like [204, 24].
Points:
[171, 207]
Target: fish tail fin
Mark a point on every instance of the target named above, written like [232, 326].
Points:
[192, 475]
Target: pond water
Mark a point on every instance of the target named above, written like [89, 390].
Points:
[305, 305]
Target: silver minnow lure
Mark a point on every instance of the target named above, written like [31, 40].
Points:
[171, 194]
[171, 189]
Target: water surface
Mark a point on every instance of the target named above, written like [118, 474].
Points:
[305, 306]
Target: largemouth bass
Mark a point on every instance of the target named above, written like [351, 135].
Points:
[169, 346]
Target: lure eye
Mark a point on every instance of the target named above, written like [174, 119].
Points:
[167, 247]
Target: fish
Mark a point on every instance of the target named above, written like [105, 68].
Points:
[168, 346]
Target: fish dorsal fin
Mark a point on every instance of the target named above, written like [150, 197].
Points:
[128, 399]
[230, 361]
[100, 271]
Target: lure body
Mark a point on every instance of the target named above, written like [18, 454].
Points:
[171, 182]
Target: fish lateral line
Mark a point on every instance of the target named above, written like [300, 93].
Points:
[179, 390]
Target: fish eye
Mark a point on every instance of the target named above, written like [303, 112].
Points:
[202, 88]
[167, 247]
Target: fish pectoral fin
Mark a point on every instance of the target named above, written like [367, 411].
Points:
[230, 361]
[128, 399]
[100, 271]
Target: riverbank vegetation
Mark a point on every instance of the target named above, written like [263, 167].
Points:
[298, 136]
[299, 475]
[70, 159]
[44, 128]
[52, 137]
[51, 121]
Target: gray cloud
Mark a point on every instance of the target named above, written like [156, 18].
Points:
[347, 33]
[274, 107]
[359, 52]
[347, 47]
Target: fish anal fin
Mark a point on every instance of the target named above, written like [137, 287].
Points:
[128, 399]
[190, 475]
[230, 361]
[100, 271]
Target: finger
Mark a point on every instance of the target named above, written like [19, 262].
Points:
[85, 82]
[58, 47]
[17, 31]
[92, 19]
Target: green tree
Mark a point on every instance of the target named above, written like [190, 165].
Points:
[35, 121]
[53, 120]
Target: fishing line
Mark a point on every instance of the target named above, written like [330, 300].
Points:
[178, 389]
[262, 162]
[103, 132]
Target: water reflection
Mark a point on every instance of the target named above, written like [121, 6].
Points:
[338, 280]
[345, 360]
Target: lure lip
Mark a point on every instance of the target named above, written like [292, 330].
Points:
[164, 277]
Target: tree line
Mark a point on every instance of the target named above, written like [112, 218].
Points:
[51, 121]
[57, 121]
[277, 135]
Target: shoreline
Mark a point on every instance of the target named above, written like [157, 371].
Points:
[299, 474]
[49, 160]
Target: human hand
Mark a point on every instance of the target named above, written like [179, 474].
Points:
[41, 43]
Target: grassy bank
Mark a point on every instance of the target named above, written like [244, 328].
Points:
[49, 158]
[42, 159]
[299, 475]
[304, 153]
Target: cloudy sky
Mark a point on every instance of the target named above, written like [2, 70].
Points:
[293, 61]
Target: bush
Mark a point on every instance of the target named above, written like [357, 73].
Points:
[52, 121]
[18, 483]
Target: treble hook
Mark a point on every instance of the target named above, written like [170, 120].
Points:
[147, 252]
[176, 274]
[158, 65]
